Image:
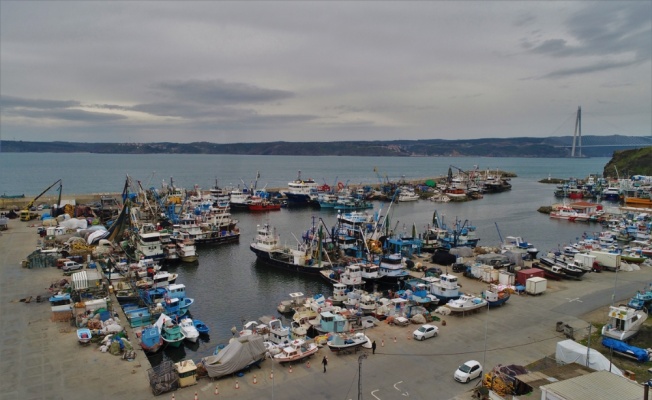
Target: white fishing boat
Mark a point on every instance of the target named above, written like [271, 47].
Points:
[624, 322]
[189, 330]
[296, 350]
[466, 302]
[187, 250]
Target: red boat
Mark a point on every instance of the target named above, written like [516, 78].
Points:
[264, 205]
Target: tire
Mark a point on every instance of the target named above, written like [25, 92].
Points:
[468, 380]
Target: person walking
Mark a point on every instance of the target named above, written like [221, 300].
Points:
[325, 362]
[373, 347]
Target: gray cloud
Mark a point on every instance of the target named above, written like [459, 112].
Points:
[217, 91]
[268, 71]
[20, 102]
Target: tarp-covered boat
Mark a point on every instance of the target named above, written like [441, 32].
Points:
[241, 353]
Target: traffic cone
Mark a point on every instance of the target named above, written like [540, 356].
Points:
[195, 395]
[237, 385]
[394, 339]
[271, 375]
[255, 380]
[308, 364]
[172, 396]
[290, 368]
[382, 343]
[217, 391]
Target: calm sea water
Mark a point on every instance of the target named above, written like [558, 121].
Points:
[228, 286]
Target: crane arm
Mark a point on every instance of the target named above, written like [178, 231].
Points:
[31, 203]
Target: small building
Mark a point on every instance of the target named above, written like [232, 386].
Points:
[523, 275]
[599, 385]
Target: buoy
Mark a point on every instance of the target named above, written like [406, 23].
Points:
[255, 380]
[394, 339]
[290, 368]
[308, 364]
[237, 385]
[217, 391]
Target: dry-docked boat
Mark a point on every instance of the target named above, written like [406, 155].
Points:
[624, 322]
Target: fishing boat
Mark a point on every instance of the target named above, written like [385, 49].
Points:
[84, 335]
[392, 269]
[268, 249]
[260, 204]
[495, 297]
[171, 332]
[188, 328]
[296, 350]
[151, 340]
[466, 302]
[445, 288]
[201, 327]
[301, 192]
[346, 342]
[570, 214]
[624, 322]
[288, 306]
[187, 250]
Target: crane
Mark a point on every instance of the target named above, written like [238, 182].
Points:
[26, 214]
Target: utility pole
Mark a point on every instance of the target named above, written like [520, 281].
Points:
[577, 135]
[362, 357]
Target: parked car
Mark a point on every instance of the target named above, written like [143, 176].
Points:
[69, 266]
[468, 371]
[425, 331]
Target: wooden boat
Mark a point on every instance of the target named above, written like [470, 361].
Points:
[170, 331]
[296, 350]
[495, 297]
[466, 302]
[624, 322]
[201, 327]
[346, 342]
[150, 339]
[287, 306]
[84, 335]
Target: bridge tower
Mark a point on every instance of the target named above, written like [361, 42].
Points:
[577, 136]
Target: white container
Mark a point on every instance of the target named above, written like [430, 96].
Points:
[486, 274]
[536, 285]
[506, 278]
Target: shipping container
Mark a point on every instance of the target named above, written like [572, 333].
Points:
[524, 274]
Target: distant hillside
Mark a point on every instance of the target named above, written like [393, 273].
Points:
[596, 146]
[626, 163]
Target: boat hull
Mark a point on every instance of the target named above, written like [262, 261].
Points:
[264, 257]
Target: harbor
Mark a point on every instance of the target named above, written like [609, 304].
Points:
[211, 279]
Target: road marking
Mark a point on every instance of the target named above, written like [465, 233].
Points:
[575, 299]
[406, 394]
[372, 393]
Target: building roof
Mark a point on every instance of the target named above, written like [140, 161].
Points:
[599, 385]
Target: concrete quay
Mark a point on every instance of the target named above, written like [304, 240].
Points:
[41, 359]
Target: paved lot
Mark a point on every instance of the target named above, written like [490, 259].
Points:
[41, 359]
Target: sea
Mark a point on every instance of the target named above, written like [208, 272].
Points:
[228, 286]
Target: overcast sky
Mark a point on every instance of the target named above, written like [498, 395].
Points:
[322, 71]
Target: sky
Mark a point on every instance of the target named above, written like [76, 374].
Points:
[232, 72]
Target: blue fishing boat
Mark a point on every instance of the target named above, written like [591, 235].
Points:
[151, 340]
[201, 327]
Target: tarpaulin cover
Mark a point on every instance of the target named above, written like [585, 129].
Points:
[569, 351]
[640, 354]
[240, 353]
